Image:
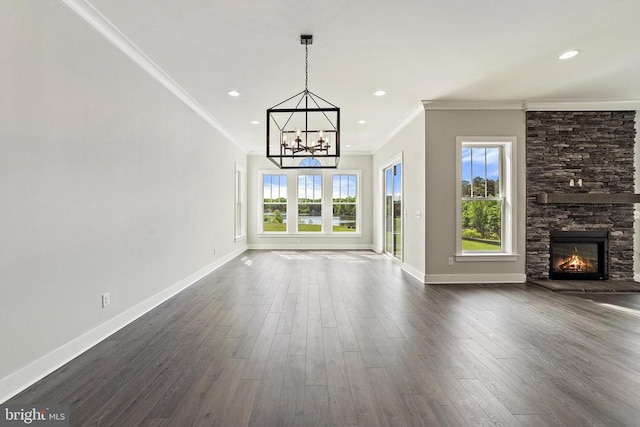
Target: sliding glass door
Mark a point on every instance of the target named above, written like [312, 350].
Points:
[393, 210]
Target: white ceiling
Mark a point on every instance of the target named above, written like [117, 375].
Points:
[414, 49]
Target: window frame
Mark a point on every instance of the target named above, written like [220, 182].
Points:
[240, 214]
[355, 203]
[261, 204]
[307, 173]
[327, 203]
[507, 196]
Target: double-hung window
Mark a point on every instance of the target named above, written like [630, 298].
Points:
[310, 203]
[345, 207]
[485, 202]
[274, 203]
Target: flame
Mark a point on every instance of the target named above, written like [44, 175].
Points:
[575, 263]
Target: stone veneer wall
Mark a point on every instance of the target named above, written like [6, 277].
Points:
[596, 146]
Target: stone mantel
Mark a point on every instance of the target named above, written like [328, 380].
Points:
[587, 198]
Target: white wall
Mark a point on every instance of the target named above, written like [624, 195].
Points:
[410, 143]
[442, 128]
[257, 163]
[108, 183]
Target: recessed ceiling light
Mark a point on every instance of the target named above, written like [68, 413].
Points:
[569, 54]
[348, 145]
[255, 122]
[380, 92]
[233, 93]
[362, 122]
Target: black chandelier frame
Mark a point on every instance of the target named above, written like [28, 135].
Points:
[320, 142]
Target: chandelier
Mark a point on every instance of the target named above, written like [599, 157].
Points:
[303, 131]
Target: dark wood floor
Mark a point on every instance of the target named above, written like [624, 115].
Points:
[346, 338]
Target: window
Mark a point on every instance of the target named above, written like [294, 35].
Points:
[310, 162]
[316, 203]
[344, 203]
[310, 203]
[240, 224]
[484, 196]
[274, 205]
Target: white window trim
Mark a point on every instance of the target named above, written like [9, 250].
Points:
[261, 231]
[327, 203]
[358, 231]
[240, 203]
[308, 172]
[508, 168]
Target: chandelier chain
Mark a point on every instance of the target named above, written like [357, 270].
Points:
[306, 68]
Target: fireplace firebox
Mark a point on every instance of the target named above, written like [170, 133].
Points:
[579, 255]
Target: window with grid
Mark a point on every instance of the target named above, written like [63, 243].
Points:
[274, 203]
[483, 198]
[310, 203]
[344, 218]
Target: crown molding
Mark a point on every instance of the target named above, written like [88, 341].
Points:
[583, 105]
[473, 105]
[98, 22]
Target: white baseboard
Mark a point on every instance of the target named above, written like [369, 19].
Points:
[35, 371]
[417, 274]
[443, 279]
[310, 246]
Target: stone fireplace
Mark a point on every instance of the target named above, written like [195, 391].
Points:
[580, 179]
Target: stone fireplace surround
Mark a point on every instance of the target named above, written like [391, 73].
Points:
[597, 147]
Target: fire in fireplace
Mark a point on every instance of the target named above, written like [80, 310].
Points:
[579, 255]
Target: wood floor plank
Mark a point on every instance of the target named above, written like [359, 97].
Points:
[298, 342]
[238, 410]
[367, 410]
[292, 395]
[420, 410]
[265, 410]
[285, 323]
[316, 371]
[341, 407]
[257, 360]
[326, 305]
[249, 337]
[494, 409]
[316, 406]
[348, 338]
[388, 399]
[345, 338]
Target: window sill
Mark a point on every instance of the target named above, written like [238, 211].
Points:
[305, 235]
[486, 257]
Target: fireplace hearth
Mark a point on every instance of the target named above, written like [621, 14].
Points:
[579, 255]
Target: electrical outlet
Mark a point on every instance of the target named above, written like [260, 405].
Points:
[106, 299]
[450, 260]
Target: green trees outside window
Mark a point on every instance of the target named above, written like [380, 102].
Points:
[310, 203]
[482, 201]
[344, 218]
[274, 213]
